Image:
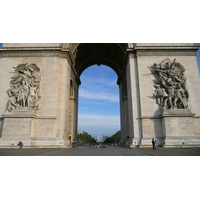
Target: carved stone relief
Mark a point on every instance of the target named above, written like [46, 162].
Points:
[24, 92]
[170, 85]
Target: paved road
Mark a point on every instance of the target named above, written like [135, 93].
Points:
[109, 151]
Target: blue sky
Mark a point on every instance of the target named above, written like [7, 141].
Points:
[198, 55]
[99, 112]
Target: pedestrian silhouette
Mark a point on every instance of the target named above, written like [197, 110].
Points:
[20, 144]
[153, 143]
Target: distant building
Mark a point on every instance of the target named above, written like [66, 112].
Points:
[97, 138]
[104, 137]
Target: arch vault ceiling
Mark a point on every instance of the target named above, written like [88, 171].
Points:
[110, 54]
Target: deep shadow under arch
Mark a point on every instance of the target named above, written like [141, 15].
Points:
[110, 54]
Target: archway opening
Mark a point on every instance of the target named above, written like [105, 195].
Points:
[112, 55]
[99, 107]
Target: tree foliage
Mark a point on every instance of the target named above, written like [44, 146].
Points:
[113, 139]
[84, 137]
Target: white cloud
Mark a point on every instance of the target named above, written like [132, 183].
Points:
[99, 84]
[93, 81]
[98, 95]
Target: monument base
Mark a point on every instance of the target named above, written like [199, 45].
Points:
[178, 128]
[134, 142]
[51, 143]
[182, 142]
[147, 142]
[19, 126]
[35, 142]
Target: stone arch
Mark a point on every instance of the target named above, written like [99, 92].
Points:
[113, 55]
[61, 65]
[110, 54]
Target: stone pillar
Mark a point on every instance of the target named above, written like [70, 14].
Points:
[62, 106]
[76, 110]
[73, 109]
[124, 112]
[134, 107]
[72, 117]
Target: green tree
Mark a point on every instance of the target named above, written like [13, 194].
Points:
[84, 137]
[108, 140]
[116, 138]
[113, 139]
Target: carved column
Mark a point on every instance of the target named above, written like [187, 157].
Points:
[72, 110]
[124, 112]
[134, 107]
[62, 106]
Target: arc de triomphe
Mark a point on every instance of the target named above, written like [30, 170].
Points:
[158, 84]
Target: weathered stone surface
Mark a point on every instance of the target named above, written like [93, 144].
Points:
[54, 123]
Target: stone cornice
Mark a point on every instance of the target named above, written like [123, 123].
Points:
[164, 50]
[172, 113]
[29, 51]
[149, 117]
[25, 115]
[36, 52]
[177, 113]
[46, 117]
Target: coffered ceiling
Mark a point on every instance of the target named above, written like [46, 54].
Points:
[87, 54]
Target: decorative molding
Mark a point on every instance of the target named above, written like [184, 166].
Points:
[36, 52]
[177, 113]
[30, 54]
[166, 47]
[197, 116]
[2, 49]
[58, 51]
[29, 114]
[172, 113]
[165, 53]
[164, 50]
[149, 117]
[19, 114]
[46, 117]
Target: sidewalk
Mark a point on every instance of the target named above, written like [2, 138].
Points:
[172, 151]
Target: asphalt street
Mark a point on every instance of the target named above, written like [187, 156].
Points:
[109, 151]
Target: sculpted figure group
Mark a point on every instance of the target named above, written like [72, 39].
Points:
[170, 85]
[24, 89]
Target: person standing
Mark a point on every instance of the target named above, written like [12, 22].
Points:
[20, 144]
[153, 143]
